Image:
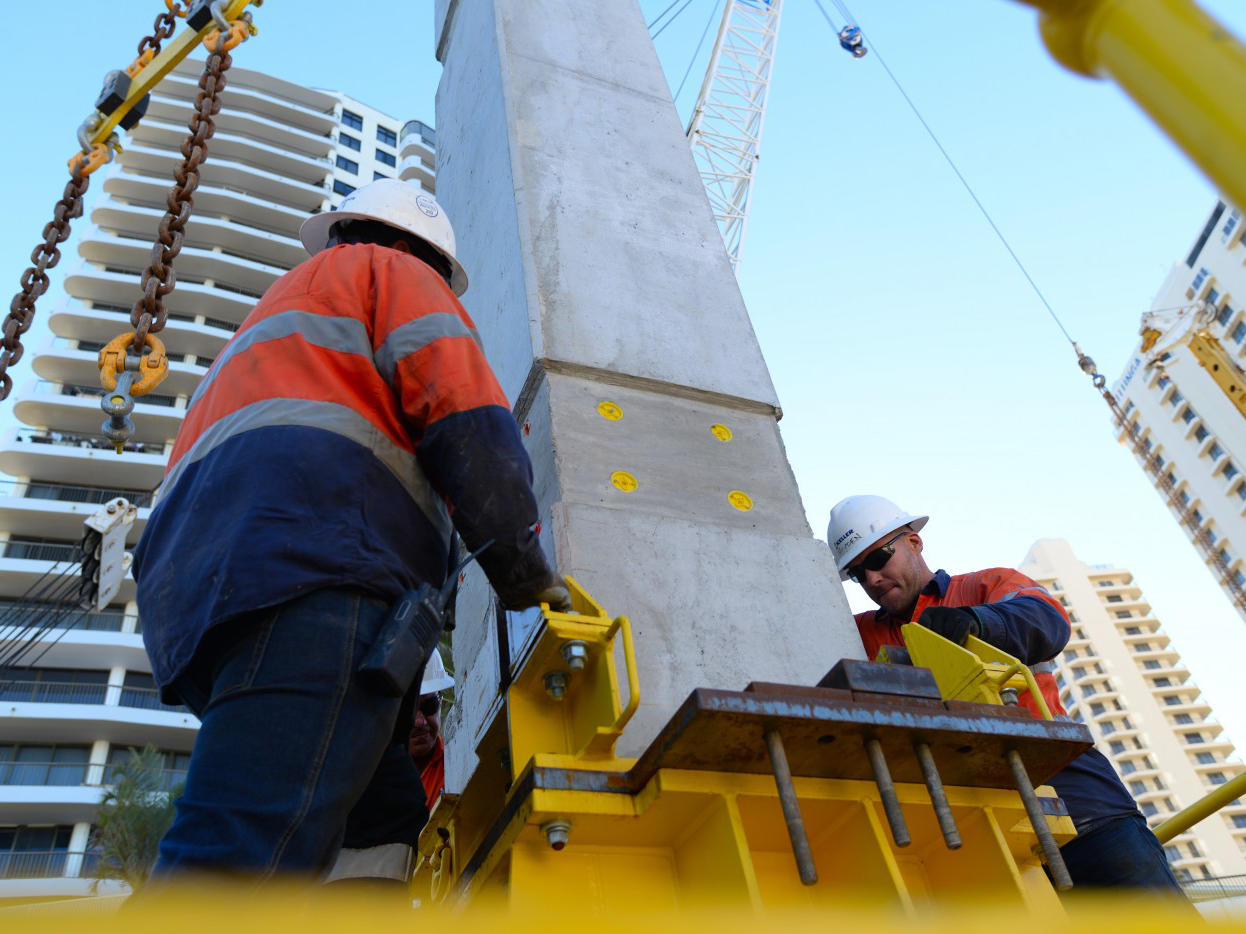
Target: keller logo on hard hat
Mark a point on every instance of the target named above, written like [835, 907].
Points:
[857, 521]
[427, 205]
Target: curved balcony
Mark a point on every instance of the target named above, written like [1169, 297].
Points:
[261, 93]
[36, 510]
[247, 273]
[49, 712]
[119, 288]
[414, 168]
[67, 646]
[85, 457]
[237, 206]
[98, 326]
[56, 792]
[166, 108]
[80, 367]
[76, 409]
[229, 147]
[26, 563]
[1193, 705]
[223, 172]
[203, 232]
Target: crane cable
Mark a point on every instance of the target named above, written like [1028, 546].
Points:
[674, 16]
[700, 42]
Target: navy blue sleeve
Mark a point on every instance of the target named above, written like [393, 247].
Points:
[1027, 627]
[476, 460]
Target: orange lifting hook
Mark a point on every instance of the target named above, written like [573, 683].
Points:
[239, 31]
[153, 367]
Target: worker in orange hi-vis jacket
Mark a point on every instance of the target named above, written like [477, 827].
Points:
[877, 544]
[349, 426]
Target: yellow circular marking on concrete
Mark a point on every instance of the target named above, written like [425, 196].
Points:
[623, 481]
[609, 410]
[721, 432]
[740, 500]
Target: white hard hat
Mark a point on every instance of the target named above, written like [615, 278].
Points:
[435, 677]
[859, 521]
[398, 204]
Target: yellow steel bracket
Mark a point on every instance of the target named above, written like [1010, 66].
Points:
[977, 672]
[153, 366]
[98, 136]
[566, 699]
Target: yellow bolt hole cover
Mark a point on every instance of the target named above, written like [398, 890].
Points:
[740, 500]
[623, 481]
[721, 432]
[609, 410]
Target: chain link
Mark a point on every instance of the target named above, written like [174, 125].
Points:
[149, 312]
[161, 29]
[34, 280]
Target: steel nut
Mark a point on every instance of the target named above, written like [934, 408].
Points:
[575, 654]
[556, 684]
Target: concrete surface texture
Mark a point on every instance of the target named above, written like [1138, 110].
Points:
[607, 306]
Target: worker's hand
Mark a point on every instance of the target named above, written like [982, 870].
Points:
[554, 592]
[954, 623]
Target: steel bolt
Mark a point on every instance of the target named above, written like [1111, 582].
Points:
[556, 833]
[1009, 697]
[556, 686]
[575, 654]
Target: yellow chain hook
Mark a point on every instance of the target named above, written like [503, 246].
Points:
[153, 367]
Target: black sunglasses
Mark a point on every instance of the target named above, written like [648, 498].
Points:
[430, 705]
[875, 560]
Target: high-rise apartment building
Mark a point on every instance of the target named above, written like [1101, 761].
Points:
[1121, 676]
[1177, 398]
[281, 151]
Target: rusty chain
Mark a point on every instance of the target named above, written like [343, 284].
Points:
[35, 279]
[161, 29]
[149, 312]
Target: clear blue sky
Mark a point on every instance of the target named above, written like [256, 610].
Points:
[910, 355]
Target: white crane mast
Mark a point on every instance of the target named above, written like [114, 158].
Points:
[725, 128]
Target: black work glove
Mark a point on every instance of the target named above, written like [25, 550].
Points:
[954, 623]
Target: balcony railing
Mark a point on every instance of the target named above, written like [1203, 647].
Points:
[1205, 890]
[73, 492]
[70, 440]
[47, 864]
[70, 692]
[94, 392]
[75, 774]
[28, 615]
[41, 551]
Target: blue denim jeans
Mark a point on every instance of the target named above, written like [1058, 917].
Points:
[292, 748]
[1122, 853]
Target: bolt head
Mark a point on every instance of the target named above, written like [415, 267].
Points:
[556, 684]
[556, 833]
[575, 654]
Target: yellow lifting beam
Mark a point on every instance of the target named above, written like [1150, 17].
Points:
[1213, 358]
[1204, 807]
[1177, 63]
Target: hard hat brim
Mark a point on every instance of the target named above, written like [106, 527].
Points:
[916, 523]
[444, 683]
[314, 234]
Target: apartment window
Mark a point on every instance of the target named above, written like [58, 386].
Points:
[1147, 444]
[1227, 229]
[1176, 398]
[1151, 664]
[1088, 690]
[1192, 737]
[1142, 647]
[34, 852]
[1223, 555]
[1204, 758]
[1137, 788]
[1183, 719]
[376, 175]
[1239, 820]
[43, 764]
[1117, 747]
[1216, 778]
[1211, 536]
[386, 136]
[1072, 617]
[1239, 577]
[341, 188]
[53, 685]
[1239, 332]
[355, 122]
[1149, 809]
[1184, 497]
[386, 157]
[1162, 682]
[1171, 701]
[1123, 614]
[348, 165]
[1196, 516]
[349, 142]
[1171, 478]
[1224, 314]
[1200, 278]
[1105, 583]
[1163, 382]
[1200, 433]
[1115, 598]
[1188, 414]
[1229, 470]
[1128, 767]
[1133, 630]
[1215, 451]
[1095, 709]
[1240, 490]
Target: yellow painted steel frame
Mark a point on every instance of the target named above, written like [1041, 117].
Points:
[977, 672]
[1213, 358]
[173, 52]
[1177, 63]
[692, 839]
[1204, 807]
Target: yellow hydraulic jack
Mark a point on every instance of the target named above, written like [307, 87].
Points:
[869, 788]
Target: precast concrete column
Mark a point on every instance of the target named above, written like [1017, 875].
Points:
[607, 306]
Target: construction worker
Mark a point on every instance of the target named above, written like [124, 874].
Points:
[312, 483]
[424, 743]
[876, 543]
